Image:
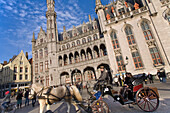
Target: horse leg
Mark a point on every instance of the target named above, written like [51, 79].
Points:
[48, 107]
[68, 107]
[77, 108]
[42, 105]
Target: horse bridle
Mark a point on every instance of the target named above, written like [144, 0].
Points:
[48, 99]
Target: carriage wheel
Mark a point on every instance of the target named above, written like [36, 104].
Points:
[147, 99]
[99, 106]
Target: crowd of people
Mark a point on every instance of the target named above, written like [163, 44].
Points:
[119, 80]
[19, 97]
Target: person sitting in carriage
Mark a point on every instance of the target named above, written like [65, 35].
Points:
[104, 77]
[127, 90]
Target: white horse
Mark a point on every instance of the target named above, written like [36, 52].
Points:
[56, 95]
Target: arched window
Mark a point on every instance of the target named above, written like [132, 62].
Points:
[46, 51]
[114, 40]
[41, 53]
[68, 46]
[137, 60]
[78, 42]
[73, 44]
[83, 40]
[60, 61]
[89, 39]
[129, 35]
[63, 47]
[155, 56]
[120, 63]
[95, 37]
[36, 54]
[146, 30]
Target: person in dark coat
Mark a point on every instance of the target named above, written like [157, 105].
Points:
[159, 75]
[163, 76]
[145, 78]
[6, 101]
[127, 90]
[19, 99]
[34, 99]
[150, 76]
[120, 80]
[26, 97]
[103, 77]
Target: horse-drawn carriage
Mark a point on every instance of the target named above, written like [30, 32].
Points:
[147, 98]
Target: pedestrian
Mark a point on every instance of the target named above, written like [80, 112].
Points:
[163, 73]
[120, 81]
[26, 97]
[34, 99]
[19, 99]
[159, 75]
[12, 94]
[116, 81]
[145, 78]
[150, 76]
[6, 102]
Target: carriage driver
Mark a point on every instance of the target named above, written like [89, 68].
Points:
[104, 77]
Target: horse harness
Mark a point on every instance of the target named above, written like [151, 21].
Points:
[48, 93]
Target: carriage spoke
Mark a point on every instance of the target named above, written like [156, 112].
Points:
[144, 104]
[148, 105]
[141, 103]
[153, 102]
[151, 105]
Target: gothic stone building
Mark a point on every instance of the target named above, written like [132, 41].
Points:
[128, 36]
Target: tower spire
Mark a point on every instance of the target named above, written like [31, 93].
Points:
[98, 2]
[33, 37]
[52, 32]
[98, 5]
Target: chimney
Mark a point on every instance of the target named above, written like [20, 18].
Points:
[90, 19]
[10, 60]
[26, 54]
[5, 62]
[64, 28]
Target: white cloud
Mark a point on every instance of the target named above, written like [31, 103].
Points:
[8, 7]
[23, 13]
[15, 11]
[2, 1]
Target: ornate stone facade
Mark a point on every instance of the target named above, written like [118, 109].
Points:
[124, 29]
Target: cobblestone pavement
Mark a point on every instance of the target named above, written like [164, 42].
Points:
[115, 107]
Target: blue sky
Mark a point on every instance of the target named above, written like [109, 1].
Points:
[20, 18]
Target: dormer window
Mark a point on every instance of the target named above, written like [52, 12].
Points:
[41, 40]
[75, 34]
[95, 25]
[85, 30]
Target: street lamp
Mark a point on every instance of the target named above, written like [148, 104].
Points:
[126, 63]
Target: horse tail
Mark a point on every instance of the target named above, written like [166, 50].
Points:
[76, 93]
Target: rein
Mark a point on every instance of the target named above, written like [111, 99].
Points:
[67, 93]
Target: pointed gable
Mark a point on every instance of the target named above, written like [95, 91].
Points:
[41, 37]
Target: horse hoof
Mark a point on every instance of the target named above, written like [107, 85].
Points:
[78, 111]
[49, 111]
